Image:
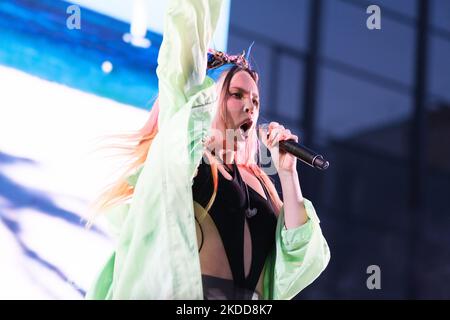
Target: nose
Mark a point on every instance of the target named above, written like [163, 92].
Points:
[249, 107]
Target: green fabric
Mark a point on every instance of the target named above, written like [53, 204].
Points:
[156, 256]
[300, 256]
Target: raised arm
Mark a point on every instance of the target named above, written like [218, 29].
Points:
[188, 29]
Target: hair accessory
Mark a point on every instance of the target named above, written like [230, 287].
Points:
[219, 62]
[217, 59]
[247, 56]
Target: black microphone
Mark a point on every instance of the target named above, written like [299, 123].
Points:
[304, 154]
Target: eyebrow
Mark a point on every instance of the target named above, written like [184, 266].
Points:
[245, 91]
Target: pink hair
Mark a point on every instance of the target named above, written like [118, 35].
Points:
[135, 148]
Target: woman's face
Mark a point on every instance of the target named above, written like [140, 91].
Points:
[242, 105]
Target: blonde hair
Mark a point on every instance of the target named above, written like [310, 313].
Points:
[136, 146]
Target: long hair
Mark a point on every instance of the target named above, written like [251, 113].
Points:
[135, 147]
[132, 148]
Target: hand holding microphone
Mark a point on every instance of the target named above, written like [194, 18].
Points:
[273, 132]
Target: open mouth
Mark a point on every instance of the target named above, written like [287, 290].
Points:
[246, 126]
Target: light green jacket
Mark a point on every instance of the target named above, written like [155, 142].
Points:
[156, 255]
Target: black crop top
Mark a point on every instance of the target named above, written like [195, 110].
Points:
[228, 214]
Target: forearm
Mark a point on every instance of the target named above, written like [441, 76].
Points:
[294, 208]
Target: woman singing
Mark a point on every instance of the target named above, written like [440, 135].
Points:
[196, 216]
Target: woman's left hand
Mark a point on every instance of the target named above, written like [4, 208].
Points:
[284, 162]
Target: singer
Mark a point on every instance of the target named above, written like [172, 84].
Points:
[196, 216]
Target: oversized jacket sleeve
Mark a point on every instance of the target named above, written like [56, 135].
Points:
[156, 255]
[300, 256]
[188, 30]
